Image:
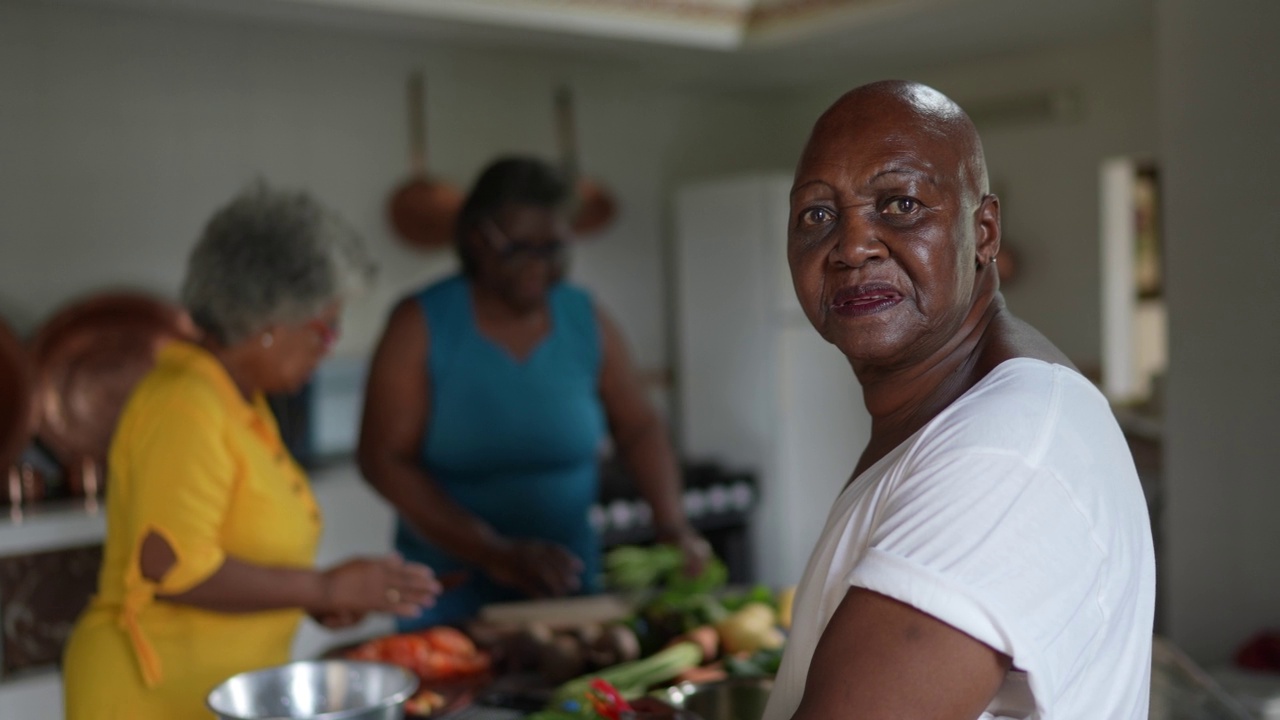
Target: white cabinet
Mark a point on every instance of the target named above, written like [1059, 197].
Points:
[758, 388]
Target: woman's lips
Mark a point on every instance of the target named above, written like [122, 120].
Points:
[865, 300]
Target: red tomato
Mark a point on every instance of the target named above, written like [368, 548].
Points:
[441, 666]
[408, 652]
[445, 639]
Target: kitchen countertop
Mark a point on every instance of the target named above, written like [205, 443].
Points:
[74, 522]
[51, 525]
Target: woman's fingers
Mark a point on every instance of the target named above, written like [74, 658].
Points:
[538, 568]
[418, 584]
[409, 586]
[559, 570]
[697, 553]
[420, 577]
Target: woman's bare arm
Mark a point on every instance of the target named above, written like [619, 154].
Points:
[359, 585]
[879, 659]
[640, 437]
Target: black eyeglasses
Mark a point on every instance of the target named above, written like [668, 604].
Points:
[519, 252]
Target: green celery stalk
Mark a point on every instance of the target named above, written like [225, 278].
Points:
[633, 678]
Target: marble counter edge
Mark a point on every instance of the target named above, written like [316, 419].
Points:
[51, 526]
[67, 523]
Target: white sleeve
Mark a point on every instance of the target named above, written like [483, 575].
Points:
[994, 547]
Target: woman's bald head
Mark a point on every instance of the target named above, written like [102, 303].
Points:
[909, 107]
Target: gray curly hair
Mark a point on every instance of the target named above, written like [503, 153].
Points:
[271, 257]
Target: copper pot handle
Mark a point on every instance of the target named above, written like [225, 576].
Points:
[417, 99]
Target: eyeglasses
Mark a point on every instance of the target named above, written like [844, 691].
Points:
[520, 252]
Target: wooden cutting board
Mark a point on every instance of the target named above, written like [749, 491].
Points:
[560, 612]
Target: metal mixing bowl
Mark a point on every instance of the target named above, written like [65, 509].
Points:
[741, 698]
[316, 690]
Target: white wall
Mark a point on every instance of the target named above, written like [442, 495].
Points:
[121, 131]
[1218, 144]
[1046, 172]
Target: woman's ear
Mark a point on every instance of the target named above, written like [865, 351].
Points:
[987, 229]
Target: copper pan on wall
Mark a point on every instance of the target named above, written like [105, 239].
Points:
[87, 359]
[17, 422]
[592, 207]
[423, 210]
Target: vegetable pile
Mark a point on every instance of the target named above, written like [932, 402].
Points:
[685, 628]
[747, 621]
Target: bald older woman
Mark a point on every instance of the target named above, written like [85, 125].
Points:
[211, 526]
[991, 555]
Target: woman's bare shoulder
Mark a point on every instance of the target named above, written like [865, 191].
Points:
[1012, 337]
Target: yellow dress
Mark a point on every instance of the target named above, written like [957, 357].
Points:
[197, 464]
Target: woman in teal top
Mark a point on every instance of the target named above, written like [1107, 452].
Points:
[491, 399]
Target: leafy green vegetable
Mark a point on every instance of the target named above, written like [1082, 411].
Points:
[761, 662]
[734, 602]
[632, 567]
[680, 603]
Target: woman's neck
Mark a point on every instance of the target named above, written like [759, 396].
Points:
[236, 362]
[491, 305]
[902, 400]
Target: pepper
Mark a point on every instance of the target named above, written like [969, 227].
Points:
[606, 699]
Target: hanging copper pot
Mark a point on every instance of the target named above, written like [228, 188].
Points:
[591, 205]
[423, 210]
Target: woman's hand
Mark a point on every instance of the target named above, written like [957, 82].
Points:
[696, 549]
[537, 568]
[387, 584]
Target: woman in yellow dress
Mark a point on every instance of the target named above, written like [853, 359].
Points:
[211, 525]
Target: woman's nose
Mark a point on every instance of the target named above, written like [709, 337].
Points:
[856, 242]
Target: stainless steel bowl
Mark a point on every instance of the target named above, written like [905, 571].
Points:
[732, 699]
[316, 690]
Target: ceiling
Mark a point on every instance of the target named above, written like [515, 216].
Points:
[740, 42]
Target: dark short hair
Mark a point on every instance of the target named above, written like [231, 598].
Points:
[513, 180]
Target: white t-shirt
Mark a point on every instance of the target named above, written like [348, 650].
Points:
[1016, 516]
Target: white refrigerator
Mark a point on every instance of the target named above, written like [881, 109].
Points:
[758, 389]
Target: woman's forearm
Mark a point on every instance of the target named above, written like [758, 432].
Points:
[648, 455]
[352, 587]
[430, 511]
[240, 587]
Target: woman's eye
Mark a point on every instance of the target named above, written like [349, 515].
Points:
[901, 206]
[816, 216]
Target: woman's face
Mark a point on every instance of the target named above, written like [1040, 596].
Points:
[882, 236]
[296, 350]
[521, 253]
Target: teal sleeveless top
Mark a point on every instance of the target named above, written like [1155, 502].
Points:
[515, 441]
